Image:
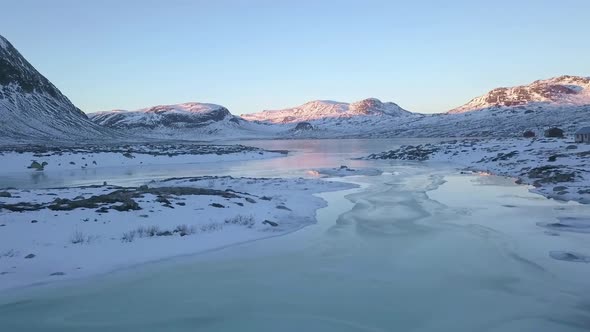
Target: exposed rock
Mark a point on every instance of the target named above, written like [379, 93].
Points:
[270, 223]
[529, 134]
[282, 207]
[550, 174]
[554, 132]
[407, 152]
[38, 167]
[569, 256]
[303, 126]
[32, 108]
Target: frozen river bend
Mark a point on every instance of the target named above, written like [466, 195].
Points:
[412, 249]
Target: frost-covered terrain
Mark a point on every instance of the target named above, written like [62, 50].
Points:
[187, 115]
[560, 101]
[556, 91]
[557, 168]
[55, 234]
[327, 109]
[207, 121]
[33, 109]
[40, 158]
[344, 170]
[190, 121]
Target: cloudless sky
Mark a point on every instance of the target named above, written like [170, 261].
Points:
[427, 56]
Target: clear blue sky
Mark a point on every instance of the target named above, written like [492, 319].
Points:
[427, 56]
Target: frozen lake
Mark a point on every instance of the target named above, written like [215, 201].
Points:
[418, 248]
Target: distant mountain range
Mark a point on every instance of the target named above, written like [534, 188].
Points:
[327, 109]
[34, 110]
[558, 91]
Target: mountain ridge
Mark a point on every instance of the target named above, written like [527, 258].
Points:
[560, 90]
[32, 108]
[327, 109]
[184, 115]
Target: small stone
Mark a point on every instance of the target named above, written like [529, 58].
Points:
[282, 207]
[34, 221]
[250, 200]
[30, 256]
[569, 256]
[270, 223]
[57, 274]
[216, 205]
[5, 194]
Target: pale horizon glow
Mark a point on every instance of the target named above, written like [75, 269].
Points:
[249, 56]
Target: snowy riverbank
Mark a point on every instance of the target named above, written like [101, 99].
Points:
[557, 168]
[36, 158]
[56, 234]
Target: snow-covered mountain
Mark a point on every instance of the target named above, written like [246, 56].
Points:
[33, 109]
[180, 116]
[327, 110]
[180, 121]
[557, 91]
[562, 101]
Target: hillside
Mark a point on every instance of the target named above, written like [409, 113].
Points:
[33, 109]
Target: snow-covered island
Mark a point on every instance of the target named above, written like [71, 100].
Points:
[557, 168]
[63, 233]
[344, 170]
[37, 157]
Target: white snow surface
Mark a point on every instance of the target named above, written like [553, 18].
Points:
[85, 158]
[154, 116]
[557, 168]
[81, 242]
[3, 42]
[327, 109]
[33, 109]
[562, 90]
[344, 171]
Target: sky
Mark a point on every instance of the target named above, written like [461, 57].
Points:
[426, 56]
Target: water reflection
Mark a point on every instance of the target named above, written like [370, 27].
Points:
[305, 155]
[416, 249]
[407, 252]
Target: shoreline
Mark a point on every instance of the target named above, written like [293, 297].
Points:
[39, 159]
[105, 246]
[556, 168]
